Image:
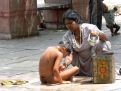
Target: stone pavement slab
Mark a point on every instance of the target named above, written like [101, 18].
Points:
[35, 85]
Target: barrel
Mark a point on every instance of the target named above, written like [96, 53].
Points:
[104, 68]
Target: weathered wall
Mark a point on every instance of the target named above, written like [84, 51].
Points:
[82, 7]
[55, 16]
[18, 18]
[57, 1]
[4, 13]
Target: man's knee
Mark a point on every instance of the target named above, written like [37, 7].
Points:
[109, 26]
[76, 69]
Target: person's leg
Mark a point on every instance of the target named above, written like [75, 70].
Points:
[90, 10]
[117, 29]
[67, 74]
[99, 14]
[102, 47]
[93, 13]
[111, 29]
[107, 46]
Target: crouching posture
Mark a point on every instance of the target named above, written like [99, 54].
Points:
[109, 16]
[50, 68]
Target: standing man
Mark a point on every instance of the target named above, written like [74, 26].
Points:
[95, 11]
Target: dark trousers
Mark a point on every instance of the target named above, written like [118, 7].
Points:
[117, 27]
[95, 11]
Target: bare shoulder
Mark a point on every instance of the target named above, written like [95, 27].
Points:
[52, 50]
[49, 50]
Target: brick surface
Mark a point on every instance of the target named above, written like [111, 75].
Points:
[18, 18]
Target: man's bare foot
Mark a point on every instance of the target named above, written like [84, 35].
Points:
[115, 34]
[116, 31]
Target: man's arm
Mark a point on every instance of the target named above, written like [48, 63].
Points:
[68, 59]
[57, 76]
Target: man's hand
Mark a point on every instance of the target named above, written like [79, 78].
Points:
[62, 67]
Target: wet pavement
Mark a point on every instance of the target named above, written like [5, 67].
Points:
[19, 59]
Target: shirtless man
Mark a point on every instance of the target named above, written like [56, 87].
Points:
[50, 68]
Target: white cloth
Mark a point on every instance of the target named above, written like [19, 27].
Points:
[82, 56]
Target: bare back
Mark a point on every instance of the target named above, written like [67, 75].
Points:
[49, 66]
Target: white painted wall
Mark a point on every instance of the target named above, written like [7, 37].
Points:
[112, 2]
[40, 1]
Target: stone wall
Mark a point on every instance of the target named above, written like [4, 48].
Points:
[55, 21]
[18, 18]
[82, 7]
